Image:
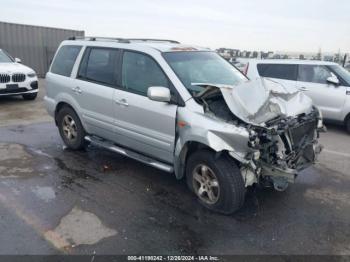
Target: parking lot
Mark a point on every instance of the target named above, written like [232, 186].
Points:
[55, 201]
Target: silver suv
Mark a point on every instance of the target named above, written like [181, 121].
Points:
[184, 110]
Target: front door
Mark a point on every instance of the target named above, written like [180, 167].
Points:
[329, 98]
[142, 124]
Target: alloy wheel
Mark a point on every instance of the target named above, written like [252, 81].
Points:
[206, 184]
[69, 128]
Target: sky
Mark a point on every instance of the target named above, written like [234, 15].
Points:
[276, 25]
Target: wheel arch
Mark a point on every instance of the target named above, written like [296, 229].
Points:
[346, 118]
[75, 108]
[59, 106]
[187, 149]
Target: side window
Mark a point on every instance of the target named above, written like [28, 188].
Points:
[313, 74]
[99, 65]
[139, 72]
[65, 59]
[280, 71]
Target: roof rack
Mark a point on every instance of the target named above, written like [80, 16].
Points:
[99, 38]
[153, 40]
[121, 40]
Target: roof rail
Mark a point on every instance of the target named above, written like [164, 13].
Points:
[153, 40]
[99, 38]
[121, 40]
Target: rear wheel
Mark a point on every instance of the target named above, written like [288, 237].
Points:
[70, 128]
[217, 182]
[31, 96]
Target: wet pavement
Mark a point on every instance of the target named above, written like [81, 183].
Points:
[53, 201]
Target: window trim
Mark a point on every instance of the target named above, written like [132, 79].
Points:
[296, 73]
[87, 53]
[75, 61]
[176, 97]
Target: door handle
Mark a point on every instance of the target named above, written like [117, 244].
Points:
[303, 89]
[77, 90]
[121, 102]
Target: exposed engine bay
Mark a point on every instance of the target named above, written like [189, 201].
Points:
[283, 129]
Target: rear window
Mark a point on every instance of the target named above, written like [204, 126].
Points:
[99, 65]
[65, 59]
[280, 71]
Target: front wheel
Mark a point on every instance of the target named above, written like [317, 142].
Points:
[70, 128]
[217, 182]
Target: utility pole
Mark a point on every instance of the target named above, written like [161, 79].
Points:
[345, 58]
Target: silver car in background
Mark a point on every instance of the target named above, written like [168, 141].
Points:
[185, 110]
[326, 83]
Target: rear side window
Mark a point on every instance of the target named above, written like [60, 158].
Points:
[139, 72]
[100, 65]
[280, 71]
[65, 59]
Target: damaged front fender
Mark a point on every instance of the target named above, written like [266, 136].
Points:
[203, 130]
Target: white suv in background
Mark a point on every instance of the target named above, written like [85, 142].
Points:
[327, 83]
[17, 79]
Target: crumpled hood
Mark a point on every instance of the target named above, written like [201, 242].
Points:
[261, 100]
[9, 68]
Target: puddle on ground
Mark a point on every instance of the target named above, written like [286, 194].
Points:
[72, 176]
[15, 161]
[79, 228]
[44, 193]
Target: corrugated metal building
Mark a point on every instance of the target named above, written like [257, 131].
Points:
[34, 45]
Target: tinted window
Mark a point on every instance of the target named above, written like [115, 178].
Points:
[139, 72]
[99, 65]
[65, 59]
[313, 73]
[280, 71]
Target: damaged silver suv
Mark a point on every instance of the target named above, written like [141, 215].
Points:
[184, 110]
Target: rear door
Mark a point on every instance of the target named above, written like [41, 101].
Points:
[312, 79]
[142, 124]
[286, 74]
[94, 89]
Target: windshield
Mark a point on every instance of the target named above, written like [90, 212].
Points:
[4, 58]
[202, 67]
[345, 75]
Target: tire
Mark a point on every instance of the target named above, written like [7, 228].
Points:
[229, 194]
[347, 124]
[31, 96]
[70, 128]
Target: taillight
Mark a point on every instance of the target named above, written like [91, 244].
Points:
[245, 70]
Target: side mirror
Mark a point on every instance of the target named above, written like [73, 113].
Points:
[333, 80]
[17, 60]
[159, 93]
